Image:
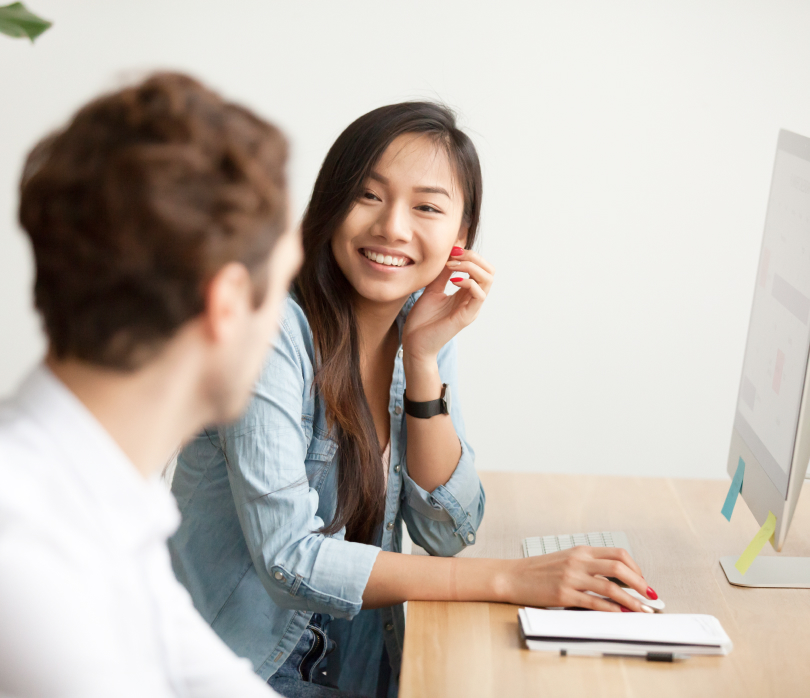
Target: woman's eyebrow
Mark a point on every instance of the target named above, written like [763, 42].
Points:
[432, 190]
[419, 190]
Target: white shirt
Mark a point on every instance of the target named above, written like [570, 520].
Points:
[89, 605]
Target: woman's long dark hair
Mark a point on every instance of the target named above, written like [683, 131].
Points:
[326, 295]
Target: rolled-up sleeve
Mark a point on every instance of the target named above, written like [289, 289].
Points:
[446, 520]
[267, 451]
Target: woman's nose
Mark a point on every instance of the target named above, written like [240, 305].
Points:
[394, 224]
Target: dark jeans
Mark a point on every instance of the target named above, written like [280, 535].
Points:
[301, 676]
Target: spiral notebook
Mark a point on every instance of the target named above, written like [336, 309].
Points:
[600, 632]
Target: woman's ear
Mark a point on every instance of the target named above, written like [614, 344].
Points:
[463, 231]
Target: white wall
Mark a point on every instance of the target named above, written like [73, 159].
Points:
[627, 149]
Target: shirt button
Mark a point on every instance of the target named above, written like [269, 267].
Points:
[470, 537]
[389, 627]
[278, 575]
[389, 526]
[397, 410]
[399, 353]
[397, 468]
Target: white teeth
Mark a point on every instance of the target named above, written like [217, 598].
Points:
[388, 260]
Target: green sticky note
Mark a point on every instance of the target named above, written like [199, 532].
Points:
[751, 552]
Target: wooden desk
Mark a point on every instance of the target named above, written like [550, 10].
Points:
[678, 535]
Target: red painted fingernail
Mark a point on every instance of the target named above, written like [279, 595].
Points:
[625, 610]
[651, 594]
[456, 279]
[457, 252]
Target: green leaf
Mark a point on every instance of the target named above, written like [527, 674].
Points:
[18, 22]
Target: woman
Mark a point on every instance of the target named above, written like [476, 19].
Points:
[293, 515]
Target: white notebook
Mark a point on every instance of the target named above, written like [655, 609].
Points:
[597, 631]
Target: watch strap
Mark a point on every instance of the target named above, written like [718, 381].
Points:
[428, 409]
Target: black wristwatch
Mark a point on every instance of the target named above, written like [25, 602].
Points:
[426, 410]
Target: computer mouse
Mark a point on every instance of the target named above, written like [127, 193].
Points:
[656, 605]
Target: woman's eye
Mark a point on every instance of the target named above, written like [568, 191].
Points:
[427, 208]
[371, 196]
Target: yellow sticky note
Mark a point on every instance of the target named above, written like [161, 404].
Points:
[751, 552]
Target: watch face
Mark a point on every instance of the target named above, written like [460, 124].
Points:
[446, 398]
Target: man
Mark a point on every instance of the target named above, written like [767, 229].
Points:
[159, 224]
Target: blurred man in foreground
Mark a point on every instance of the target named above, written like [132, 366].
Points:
[159, 224]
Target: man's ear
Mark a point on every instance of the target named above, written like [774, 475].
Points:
[463, 232]
[228, 298]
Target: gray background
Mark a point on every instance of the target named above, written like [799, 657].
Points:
[627, 150]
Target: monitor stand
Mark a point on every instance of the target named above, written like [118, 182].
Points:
[770, 571]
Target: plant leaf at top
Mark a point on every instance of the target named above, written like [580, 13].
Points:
[17, 21]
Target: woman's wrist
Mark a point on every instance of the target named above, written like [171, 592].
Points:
[502, 582]
[416, 360]
[422, 377]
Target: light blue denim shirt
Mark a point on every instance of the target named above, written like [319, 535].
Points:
[253, 495]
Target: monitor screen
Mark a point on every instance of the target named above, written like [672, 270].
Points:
[779, 331]
[776, 351]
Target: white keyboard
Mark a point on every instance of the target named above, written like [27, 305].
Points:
[552, 544]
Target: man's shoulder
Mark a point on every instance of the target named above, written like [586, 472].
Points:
[32, 487]
[22, 448]
[51, 605]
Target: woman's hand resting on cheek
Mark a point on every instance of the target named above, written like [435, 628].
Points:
[436, 318]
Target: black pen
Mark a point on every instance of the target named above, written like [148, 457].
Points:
[649, 656]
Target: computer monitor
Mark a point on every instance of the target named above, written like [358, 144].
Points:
[771, 431]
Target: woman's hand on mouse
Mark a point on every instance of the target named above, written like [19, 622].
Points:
[563, 578]
[436, 318]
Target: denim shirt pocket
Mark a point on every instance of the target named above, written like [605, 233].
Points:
[320, 460]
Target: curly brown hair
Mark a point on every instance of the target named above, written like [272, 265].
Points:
[136, 204]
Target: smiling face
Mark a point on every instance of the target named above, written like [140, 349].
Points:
[398, 235]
